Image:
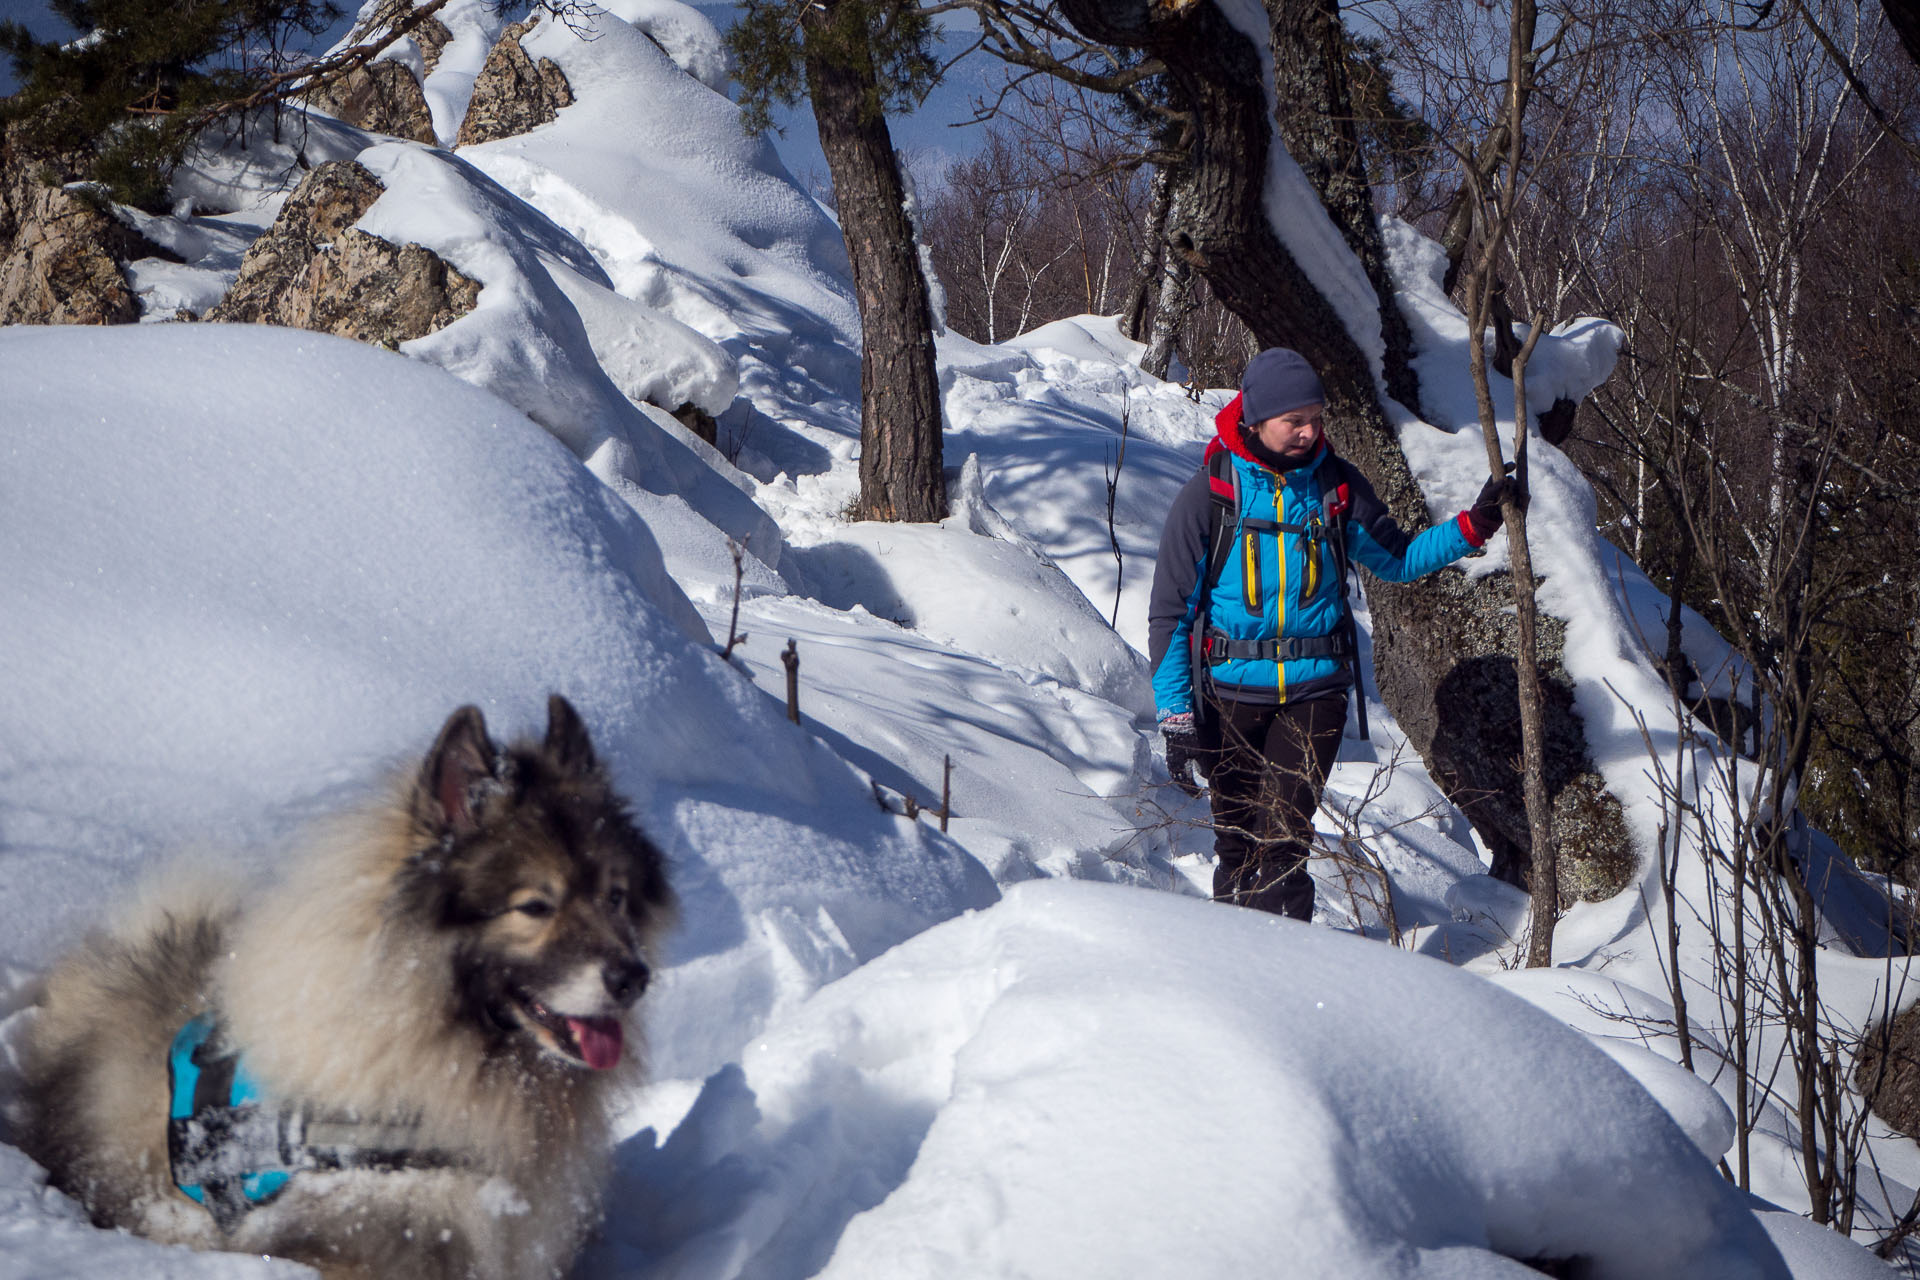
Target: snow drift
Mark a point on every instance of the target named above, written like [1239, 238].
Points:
[229, 610]
[1090, 1081]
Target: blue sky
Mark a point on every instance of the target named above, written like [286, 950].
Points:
[932, 137]
[928, 136]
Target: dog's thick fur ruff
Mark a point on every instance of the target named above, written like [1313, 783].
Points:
[452, 958]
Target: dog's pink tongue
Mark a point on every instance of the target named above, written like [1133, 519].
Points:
[599, 1040]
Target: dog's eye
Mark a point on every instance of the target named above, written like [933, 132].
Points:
[538, 908]
[616, 898]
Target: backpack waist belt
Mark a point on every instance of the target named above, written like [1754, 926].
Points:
[1220, 648]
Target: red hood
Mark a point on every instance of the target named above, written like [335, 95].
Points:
[1231, 438]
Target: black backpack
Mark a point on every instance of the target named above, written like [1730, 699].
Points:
[1224, 525]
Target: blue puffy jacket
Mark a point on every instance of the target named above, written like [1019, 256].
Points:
[1275, 585]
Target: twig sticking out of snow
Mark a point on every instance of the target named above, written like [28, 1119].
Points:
[910, 806]
[790, 659]
[734, 634]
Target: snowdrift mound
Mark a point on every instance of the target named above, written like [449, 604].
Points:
[229, 608]
[544, 315]
[1091, 1081]
[1044, 777]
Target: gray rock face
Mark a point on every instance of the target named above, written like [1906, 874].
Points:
[698, 421]
[1887, 1071]
[1443, 654]
[512, 93]
[382, 98]
[431, 35]
[313, 270]
[61, 255]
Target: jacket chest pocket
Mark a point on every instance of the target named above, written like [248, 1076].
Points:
[1251, 579]
[1301, 550]
[1264, 569]
[1313, 555]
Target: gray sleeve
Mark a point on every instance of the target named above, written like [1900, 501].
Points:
[1177, 572]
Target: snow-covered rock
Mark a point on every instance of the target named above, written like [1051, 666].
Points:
[313, 269]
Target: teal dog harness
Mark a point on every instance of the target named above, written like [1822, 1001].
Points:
[233, 1149]
[223, 1143]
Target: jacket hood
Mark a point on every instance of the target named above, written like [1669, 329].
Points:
[1230, 434]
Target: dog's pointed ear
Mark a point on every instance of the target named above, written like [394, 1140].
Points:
[449, 787]
[567, 743]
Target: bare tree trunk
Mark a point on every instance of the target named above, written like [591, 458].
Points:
[1458, 230]
[1143, 297]
[1904, 17]
[1443, 646]
[1316, 125]
[900, 427]
[1543, 880]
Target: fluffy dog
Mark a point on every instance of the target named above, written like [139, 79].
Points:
[396, 1061]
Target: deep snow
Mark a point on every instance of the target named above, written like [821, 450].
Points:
[245, 572]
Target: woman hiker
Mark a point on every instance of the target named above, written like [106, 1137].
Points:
[1250, 637]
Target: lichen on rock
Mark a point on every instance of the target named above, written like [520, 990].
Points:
[1443, 651]
[380, 98]
[62, 251]
[430, 34]
[513, 93]
[314, 270]
[1887, 1071]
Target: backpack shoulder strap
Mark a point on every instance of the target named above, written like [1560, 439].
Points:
[1223, 486]
[1223, 518]
[1336, 503]
[1336, 494]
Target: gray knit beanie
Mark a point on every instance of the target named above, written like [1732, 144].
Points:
[1277, 381]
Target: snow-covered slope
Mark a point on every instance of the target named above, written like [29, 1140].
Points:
[238, 608]
[247, 571]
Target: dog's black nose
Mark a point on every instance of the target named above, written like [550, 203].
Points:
[626, 979]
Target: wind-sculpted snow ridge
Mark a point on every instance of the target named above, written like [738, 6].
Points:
[1044, 415]
[702, 223]
[545, 320]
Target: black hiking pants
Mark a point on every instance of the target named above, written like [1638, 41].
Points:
[1266, 766]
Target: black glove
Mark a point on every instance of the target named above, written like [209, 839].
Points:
[1183, 751]
[1486, 514]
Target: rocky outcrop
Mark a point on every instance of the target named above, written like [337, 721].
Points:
[1887, 1071]
[430, 34]
[1443, 654]
[313, 270]
[381, 98]
[699, 421]
[513, 94]
[62, 254]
